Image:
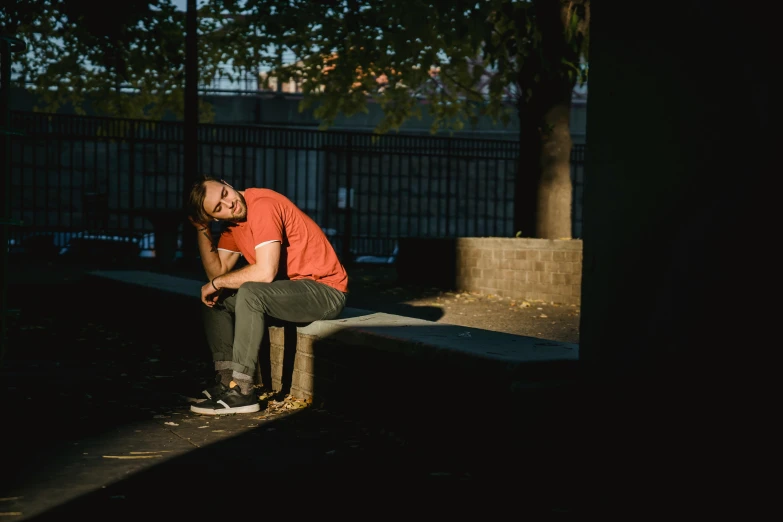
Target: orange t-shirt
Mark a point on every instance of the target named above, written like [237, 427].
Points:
[306, 251]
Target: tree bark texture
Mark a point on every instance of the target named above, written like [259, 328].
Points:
[544, 191]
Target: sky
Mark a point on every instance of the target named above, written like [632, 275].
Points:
[182, 5]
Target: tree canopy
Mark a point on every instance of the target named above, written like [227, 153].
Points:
[457, 59]
[464, 58]
[81, 51]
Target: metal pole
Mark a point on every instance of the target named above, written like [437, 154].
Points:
[348, 230]
[190, 164]
[8, 45]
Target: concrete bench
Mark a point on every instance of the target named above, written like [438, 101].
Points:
[364, 351]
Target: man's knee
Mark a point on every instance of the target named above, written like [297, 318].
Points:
[252, 288]
[253, 293]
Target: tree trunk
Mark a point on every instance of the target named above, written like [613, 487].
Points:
[555, 190]
[543, 193]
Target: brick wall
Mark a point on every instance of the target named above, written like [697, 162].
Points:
[520, 268]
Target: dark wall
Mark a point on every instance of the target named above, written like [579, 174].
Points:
[662, 237]
[678, 315]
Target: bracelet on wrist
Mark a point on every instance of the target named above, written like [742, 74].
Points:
[213, 284]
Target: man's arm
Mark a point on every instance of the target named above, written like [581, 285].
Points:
[216, 262]
[264, 270]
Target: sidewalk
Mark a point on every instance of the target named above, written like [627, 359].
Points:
[95, 428]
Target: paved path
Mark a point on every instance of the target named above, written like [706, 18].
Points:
[94, 428]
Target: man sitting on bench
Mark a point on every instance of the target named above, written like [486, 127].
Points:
[292, 274]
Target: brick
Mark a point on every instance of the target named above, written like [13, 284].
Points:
[276, 334]
[540, 288]
[565, 267]
[276, 352]
[304, 362]
[540, 266]
[574, 245]
[302, 395]
[304, 343]
[471, 252]
[545, 255]
[302, 381]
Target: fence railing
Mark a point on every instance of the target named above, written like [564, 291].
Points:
[94, 175]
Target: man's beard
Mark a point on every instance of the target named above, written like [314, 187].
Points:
[241, 213]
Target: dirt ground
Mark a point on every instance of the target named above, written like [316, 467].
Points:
[377, 288]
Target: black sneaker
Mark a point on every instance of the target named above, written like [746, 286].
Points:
[210, 392]
[231, 401]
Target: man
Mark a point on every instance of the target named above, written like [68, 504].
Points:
[292, 274]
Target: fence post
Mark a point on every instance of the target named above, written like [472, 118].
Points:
[8, 45]
[348, 229]
[448, 189]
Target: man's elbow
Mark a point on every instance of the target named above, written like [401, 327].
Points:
[264, 276]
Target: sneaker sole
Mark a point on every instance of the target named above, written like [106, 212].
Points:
[226, 411]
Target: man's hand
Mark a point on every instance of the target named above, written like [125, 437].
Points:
[209, 295]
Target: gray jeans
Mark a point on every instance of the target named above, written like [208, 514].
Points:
[235, 326]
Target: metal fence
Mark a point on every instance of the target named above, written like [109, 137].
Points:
[93, 175]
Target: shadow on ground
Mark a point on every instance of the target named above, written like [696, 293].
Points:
[89, 382]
